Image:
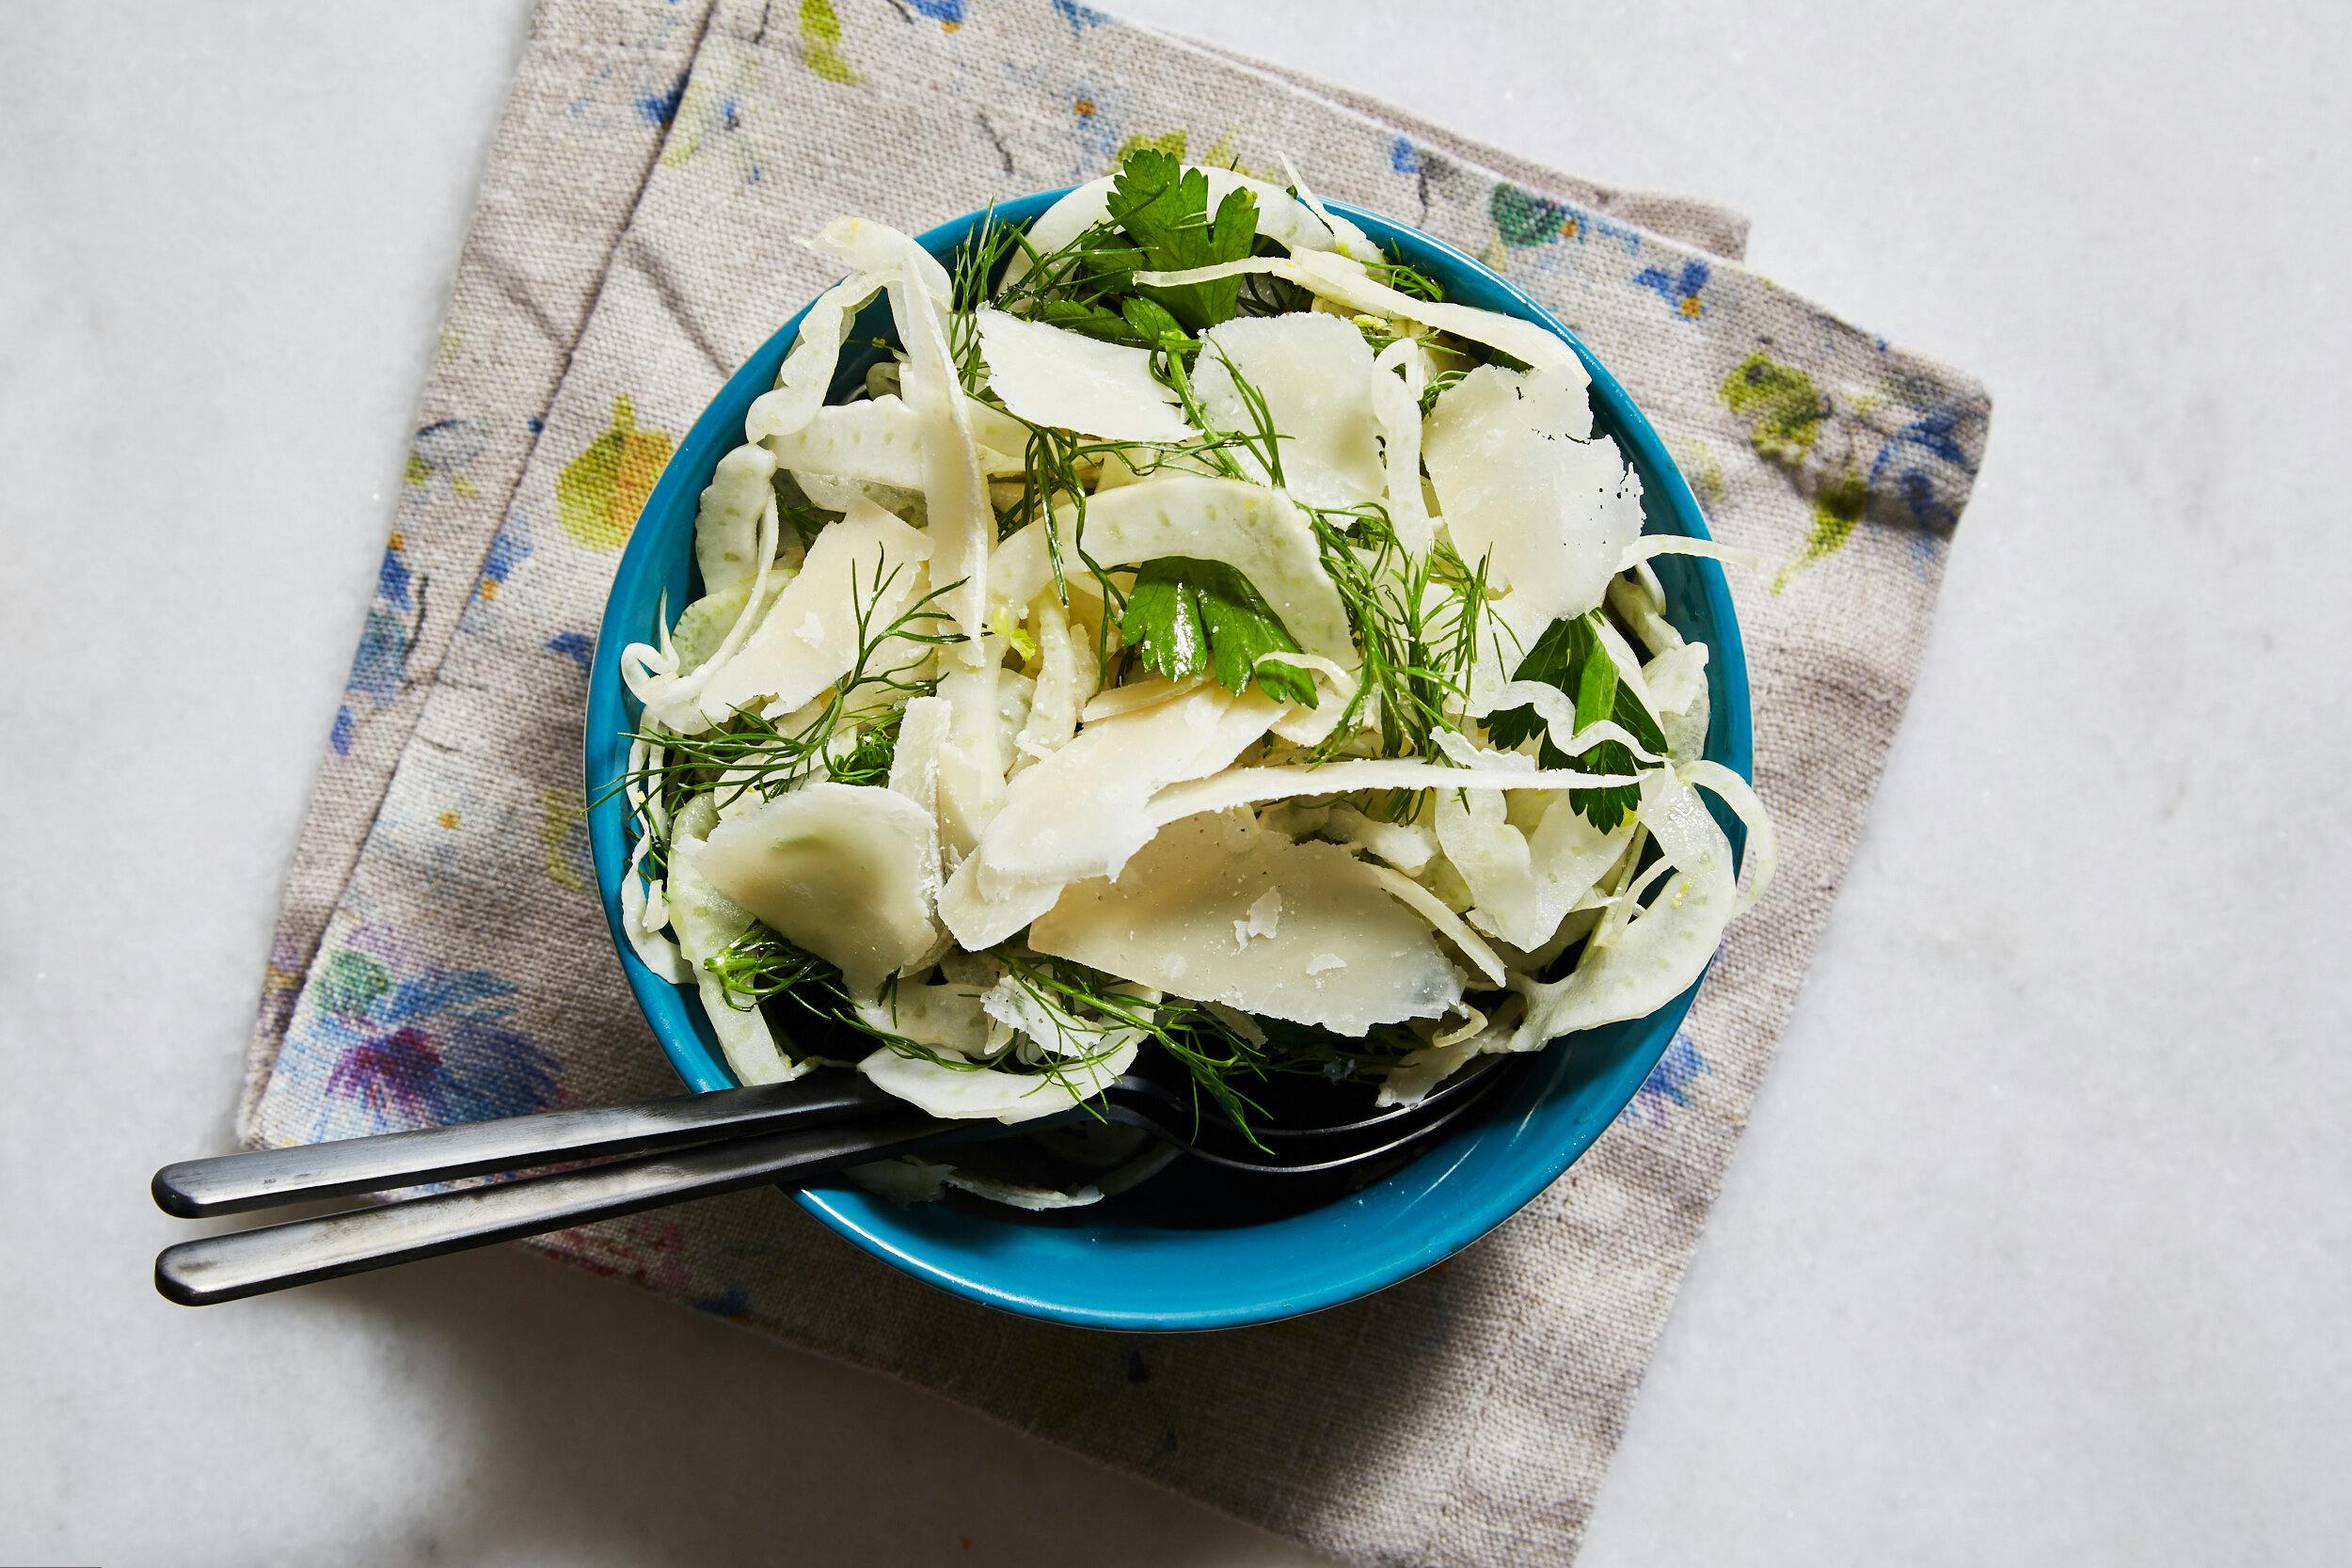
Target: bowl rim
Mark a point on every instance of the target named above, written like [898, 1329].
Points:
[1546, 1115]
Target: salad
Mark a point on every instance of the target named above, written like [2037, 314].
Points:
[1194, 639]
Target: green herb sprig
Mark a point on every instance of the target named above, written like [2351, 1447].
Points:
[1571, 657]
[750, 753]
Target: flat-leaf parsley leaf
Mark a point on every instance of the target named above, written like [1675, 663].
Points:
[1185, 616]
[1571, 656]
[1165, 209]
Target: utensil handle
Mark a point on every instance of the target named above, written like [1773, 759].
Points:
[250, 1262]
[233, 1183]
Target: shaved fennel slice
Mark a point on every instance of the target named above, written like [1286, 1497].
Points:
[1442, 920]
[1676, 679]
[1289, 223]
[963, 524]
[1411, 1081]
[807, 370]
[837, 869]
[1311, 726]
[705, 624]
[873, 440]
[1763, 846]
[1345, 281]
[1406, 845]
[726, 525]
[970, 1094]
[1315, 374]
[1262, 534]
[915, 772]
[1553, 513]
[1493, 860]
[1050, 376]
[1066, 673]
[1664, 949]
[946, 1016]
[1525, 882]
[705, 921]
[1396, 388]
[998, 432]
[1347, 239]
[808, 639]
[1083, 811]
[864, 245]
[1640, 599]
[642, 918]
[1244, 786]
[1023, 1195]
[1135, 696]
[671, 695]
[830, 492]
[1341, 957]
[1649, 546]
[903, 1181]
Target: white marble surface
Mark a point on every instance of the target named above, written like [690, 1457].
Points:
[2038, 1250]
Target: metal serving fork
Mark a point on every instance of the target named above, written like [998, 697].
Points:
[663, 1152]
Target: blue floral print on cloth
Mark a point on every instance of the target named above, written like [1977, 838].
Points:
[440, 955]
[406, 1043]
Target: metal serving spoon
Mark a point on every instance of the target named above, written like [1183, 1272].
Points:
[659, 1152]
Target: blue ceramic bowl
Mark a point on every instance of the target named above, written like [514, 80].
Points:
[1108, 1272]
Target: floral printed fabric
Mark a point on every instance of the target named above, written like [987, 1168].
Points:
[440, 955]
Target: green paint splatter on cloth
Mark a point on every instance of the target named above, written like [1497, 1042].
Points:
[351, 983]
[1170, 142]
[1836, 511]
[1700, 467]
[1524, 218]
[599, 493]
[821, 44]
[563, 833]
[1779, 404]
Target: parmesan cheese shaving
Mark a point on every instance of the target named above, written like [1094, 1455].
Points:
[1315, 374]
[1083, 811]
[1051, 377]
[870, 559]
[1396, 388]
[1551, 508]
[1169, 920]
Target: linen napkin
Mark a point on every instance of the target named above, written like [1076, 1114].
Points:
[442, 956]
